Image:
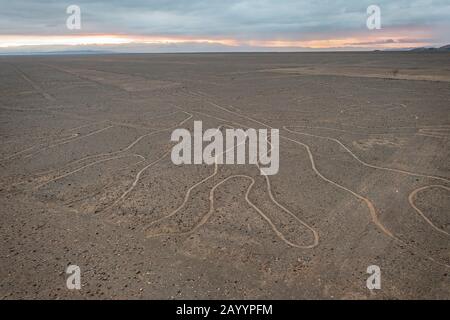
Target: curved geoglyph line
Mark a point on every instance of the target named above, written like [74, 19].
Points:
[363, 162]
[411, 199]
[132, 144]
[58, 142]
[135, 182]
[411, 196]
[115, 152]
[206, 217]
[113, 158]
[139, 174]
[371, 207]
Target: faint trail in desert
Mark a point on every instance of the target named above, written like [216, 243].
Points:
[89, 196]
[56, 142]
[88, 125]
[47, 109]
[84, 167]
[109, 154]
[74, 135]
[114, 152]
[121, 150]
[440, 133]
[412, 197]
[439, 127]
[118, 152]
[80, 137]
[432, 136]
[363, 162]
[162, 115]
[84, 78]
[132, 144]
[365, 133]
[371, 207]
[18, 153]
[406, 127]
[67, 141]
[35, 86]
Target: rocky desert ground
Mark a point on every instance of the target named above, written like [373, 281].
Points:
[87, 178]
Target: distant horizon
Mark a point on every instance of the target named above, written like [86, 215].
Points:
[80, 51]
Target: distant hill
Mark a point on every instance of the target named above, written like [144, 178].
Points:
[78, 52]
[425, 49]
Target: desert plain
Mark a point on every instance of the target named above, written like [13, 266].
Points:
[87, 178]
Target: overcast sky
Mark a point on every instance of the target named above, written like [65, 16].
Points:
[224, 25]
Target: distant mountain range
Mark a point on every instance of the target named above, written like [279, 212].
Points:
[190, 47]
[425, 49]
[62, 52]
[445, 48]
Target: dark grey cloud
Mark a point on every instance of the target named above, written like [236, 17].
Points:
[242, 20]
[234, 18]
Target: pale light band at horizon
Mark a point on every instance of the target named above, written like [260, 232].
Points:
[11, 41]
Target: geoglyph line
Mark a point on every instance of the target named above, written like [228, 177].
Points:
[37, 145]
[119, 151]
[411, 199]
[206, 217]
[131, 145]
[363, 162]
[135, 182]
[373, 213]
[54, 143]
[84, 167]
[34, 85]
[67, 141]
[138, 175]
[112, 153]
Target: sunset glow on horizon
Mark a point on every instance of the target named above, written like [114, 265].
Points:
[11, 41]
